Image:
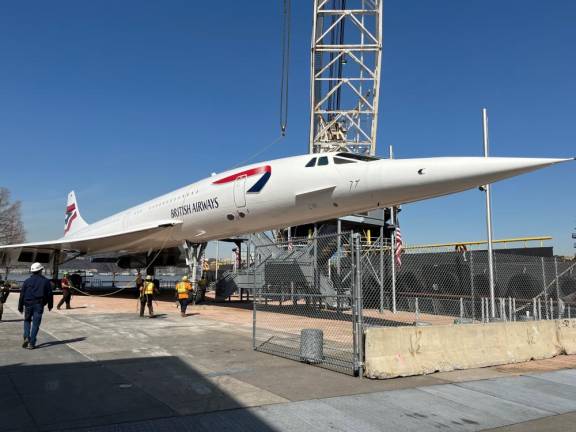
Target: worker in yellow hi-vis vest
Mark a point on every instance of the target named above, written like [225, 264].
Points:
[183, 289]
[147, 292]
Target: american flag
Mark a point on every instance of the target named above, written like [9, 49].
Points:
[399, 245]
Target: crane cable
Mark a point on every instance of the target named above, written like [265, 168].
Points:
[286, 32]
[285, 66]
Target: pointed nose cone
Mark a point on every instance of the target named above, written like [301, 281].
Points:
[488, 170]
[480, 171]
[427, 178]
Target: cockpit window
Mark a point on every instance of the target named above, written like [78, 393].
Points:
[340, 161]
[323, 161]
[359, 157]
[311, 163]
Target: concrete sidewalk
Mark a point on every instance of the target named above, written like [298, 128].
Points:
[103, 371]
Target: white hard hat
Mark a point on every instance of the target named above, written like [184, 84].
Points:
[36, 267]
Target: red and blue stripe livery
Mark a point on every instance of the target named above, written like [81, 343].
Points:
[265, 170]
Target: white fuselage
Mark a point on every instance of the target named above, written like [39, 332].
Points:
[286, 192]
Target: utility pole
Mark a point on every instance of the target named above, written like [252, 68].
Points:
[489, 221]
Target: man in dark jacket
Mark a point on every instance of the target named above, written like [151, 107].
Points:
[35, 294]
[4, 293]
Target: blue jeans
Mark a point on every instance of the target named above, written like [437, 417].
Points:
[32, 318]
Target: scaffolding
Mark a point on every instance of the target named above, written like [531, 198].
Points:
[345, 75]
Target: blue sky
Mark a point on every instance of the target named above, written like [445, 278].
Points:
[123, 101]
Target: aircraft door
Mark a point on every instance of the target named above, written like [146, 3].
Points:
[240, 192]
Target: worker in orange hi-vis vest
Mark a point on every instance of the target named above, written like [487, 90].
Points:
[183, 289]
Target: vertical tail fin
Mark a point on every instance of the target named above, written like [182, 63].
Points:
[73, 221]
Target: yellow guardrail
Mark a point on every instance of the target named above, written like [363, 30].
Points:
[506, 241]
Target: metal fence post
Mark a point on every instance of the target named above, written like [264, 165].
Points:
[316, 274]
[338, 246]
[357, 307]
[360, 312]
[545, 288]
[254, 295]
[381, 269]
[539, 308]
[353, 302]
[472, 293]
[557, 287]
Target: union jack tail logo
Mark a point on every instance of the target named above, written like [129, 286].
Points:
[71, 214]
[73, 221]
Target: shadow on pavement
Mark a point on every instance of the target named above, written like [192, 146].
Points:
[12, 320]
[59, 342]
[131, 394]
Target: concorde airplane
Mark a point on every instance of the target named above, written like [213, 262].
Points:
[273, 194]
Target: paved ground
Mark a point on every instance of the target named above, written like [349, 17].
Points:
[101, 368]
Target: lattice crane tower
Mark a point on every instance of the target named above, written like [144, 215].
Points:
[345, 75]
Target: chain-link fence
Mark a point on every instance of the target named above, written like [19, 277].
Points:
[304, 293]
[314, 297]
[439, 286]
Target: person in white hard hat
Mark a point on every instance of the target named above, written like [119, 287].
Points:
[36, 293]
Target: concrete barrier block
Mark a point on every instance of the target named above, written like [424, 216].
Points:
[533, 340]
[567, 334]
[403, 351]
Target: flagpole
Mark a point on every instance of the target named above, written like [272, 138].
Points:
[393, 248]
[393, 258]
[489, 220]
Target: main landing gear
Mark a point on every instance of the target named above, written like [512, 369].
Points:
[193, 253]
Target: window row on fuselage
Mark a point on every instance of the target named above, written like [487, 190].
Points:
[163, 202]
[339, 159]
